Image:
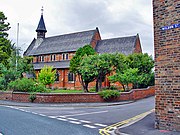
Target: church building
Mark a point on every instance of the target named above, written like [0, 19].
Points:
[57, 51]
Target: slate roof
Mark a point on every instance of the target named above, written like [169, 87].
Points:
[55, 64]
[41, 25]
[62, 43]
[125, 45]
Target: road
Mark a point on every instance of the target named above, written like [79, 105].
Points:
[67, 120]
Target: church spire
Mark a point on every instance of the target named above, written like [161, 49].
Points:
[41, 29]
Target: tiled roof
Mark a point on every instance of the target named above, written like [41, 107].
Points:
[55, 64]
[41, 25]
[63, 43]
[125, 45]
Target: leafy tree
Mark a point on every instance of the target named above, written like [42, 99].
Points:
[47, 75]
[12, 72]
[125, 77]
[6, 47]
[144, 63]
[76, 60]
[96, 67]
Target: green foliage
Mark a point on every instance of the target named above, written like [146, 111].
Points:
[75, 64]
[79, 55]
[32, 97]
[144, 63]
[47, 75]
[109, 94]
[7, 75]
[96, 67]
[125, 77]
[4, 26]
[6, 47]
[22, 85]
[26, 85]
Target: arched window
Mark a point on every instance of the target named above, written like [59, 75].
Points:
[71, 77]
[57, 76]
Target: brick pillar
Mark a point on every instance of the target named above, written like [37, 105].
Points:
[167, 63]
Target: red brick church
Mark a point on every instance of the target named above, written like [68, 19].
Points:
[57, 51]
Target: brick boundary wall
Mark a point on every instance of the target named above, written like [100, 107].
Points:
[166, 15]
[76, 98]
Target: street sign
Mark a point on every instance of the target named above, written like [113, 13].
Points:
[171, 27]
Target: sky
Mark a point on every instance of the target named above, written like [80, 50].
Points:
[114, 18]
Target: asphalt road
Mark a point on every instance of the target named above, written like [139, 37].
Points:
[67, 120]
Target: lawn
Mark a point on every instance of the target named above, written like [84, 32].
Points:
[66, 91]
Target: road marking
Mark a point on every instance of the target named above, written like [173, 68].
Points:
[62, 119]
[108, 129]
[42, 115]
[34, 113]
[53, 117]
[89, 126]
[84, 121]
[101, 125]
[75, 122]
[85, 113]
[1, 134]
[72, 119]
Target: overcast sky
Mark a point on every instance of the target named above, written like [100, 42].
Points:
[114, 18]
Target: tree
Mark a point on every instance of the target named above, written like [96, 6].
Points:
[96, 67]
[144, 63]
[47, 75]
[125, 77]
[76, 60]
[14, 71]
[6, 47]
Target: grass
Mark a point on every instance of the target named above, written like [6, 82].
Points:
[66, 91]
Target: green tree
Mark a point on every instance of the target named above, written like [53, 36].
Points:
[76, 61]
[12, 71]
[125, 77]
[144, 63]
[47, 75]
[6, 47]
[96, 67]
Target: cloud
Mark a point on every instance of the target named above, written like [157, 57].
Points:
[115, 18]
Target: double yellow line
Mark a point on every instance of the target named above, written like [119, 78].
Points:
[111, 128]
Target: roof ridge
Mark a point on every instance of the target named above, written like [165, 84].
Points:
[70, 33]
[118, 38]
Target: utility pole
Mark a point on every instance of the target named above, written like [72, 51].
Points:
[17, 45]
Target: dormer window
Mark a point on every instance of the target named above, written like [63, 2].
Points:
[65, 56]
[53, 57]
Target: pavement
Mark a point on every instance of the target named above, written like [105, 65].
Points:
[21, 104]
[144, 126]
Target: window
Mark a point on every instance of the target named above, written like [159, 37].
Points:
[71, 77]
[65, 56]
[57, 76]
[42, 58]
[53, 57]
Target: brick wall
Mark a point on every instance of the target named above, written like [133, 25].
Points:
[167, 64]
[76, 98]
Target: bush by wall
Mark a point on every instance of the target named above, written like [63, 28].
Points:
[109, 94]
[26, 85]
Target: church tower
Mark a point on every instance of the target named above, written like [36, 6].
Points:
[41, 29]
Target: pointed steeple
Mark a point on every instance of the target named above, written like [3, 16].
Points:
[41, 29]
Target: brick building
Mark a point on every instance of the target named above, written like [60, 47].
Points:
[167, 63]
[57, 51]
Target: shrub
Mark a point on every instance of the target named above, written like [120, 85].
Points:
[26, 85]
[22, 85]
[109, 94]
[32, 97]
